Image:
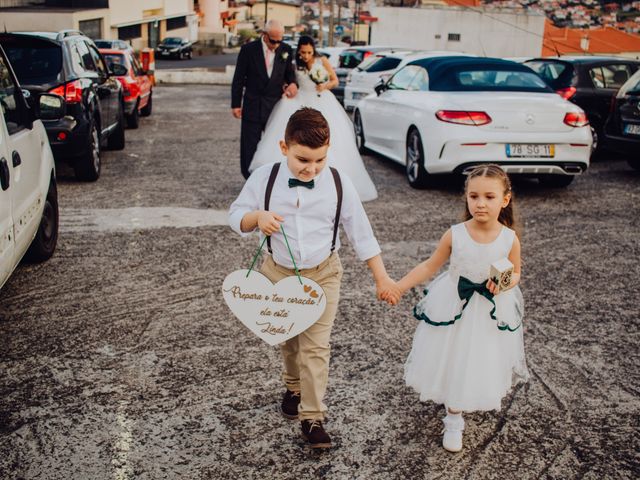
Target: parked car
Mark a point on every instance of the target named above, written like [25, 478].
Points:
[448, 114]
[349, 59]
[622, 129]
[69, 64]
[174, 47]
[362, 79]
[137, 86]
[332, 54]
[589, 82]
[28, 196]
[115, 44]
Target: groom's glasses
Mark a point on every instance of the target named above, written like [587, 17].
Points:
[272, 41]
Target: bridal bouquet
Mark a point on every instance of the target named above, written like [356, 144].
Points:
[318, 74]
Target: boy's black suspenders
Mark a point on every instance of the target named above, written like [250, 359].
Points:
[336, 179]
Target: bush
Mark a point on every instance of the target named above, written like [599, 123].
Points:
[247, 35]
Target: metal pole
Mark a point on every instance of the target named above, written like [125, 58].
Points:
[331, 23]
[320, 22]
[266, 12]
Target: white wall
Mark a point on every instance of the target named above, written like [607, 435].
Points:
[48, 21]
[498, 33]
[127, 11]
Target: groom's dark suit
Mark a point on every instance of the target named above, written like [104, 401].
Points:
[257, 93]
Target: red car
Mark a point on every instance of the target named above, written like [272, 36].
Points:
[136, 83]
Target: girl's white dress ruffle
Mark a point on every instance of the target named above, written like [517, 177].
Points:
[471, 364]
[343, 152]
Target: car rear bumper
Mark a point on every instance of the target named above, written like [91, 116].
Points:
[570, 157]
[76, 141]
[623, 144]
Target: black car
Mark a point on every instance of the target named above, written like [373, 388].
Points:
[349, 59]
[69, 64]
[174, 47]
[622, 130]
[589, 81]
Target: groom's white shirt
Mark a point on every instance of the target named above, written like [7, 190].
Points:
[309, 216]
[268, 54]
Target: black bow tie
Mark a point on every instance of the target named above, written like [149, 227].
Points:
[294, 182]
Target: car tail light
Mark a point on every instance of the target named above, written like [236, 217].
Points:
[463, 117]
[366, 54]
[567, 93]
[72, 91]
[576, 119]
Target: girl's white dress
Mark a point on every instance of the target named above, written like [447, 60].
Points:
[469, 363]
[343, 152]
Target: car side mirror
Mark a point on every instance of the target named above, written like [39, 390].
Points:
[380, 87]
[50, 107]
[117, 69]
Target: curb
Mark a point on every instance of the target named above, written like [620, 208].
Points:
[196, 75]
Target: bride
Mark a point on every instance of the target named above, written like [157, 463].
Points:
[315, 77]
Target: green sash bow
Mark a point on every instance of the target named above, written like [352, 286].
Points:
[466, 289]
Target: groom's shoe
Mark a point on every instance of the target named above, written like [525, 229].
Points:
[315, 435]
[290, 402]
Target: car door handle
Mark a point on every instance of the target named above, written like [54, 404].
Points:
[4, 174]
[15, 158]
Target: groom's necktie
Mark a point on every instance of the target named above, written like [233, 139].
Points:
[294, 182]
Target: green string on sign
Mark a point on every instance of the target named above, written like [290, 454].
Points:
[255, 257]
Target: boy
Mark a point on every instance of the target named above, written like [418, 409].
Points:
[309, 201]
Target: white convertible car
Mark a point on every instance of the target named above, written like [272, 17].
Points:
[447, 114]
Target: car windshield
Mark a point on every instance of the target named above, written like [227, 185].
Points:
[35, 65]
[632, 86]
[381, 65]
[172, 41]
[103, 43]
[350, 58]
[115, 58]
[491, 79]
[549, 71]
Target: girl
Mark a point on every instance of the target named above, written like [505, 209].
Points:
[468, 349]
[315, 78]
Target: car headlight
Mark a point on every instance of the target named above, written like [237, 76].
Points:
[174, 49]
[349, 78]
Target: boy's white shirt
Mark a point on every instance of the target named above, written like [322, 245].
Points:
[309, 228]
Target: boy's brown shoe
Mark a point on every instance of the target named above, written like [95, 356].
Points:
[290, 402]
[314, 433]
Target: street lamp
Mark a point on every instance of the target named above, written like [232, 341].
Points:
[250, 4]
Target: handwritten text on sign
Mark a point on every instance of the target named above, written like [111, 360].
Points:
[275, 313]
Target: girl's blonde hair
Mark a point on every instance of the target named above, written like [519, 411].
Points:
[508, 216]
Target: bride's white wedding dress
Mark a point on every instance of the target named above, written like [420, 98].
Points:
[343, 152]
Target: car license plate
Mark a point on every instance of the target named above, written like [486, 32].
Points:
[164, 53]
[631, 129]
[358, 96]
[539, 150]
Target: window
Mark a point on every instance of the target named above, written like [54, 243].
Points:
[91, 28]
[35, 65]
[178, 22]
[11, 108]
[87, 61]
[137, 68]
[383, 64]
[615, 75]
[402, 79]
[597, 77]
[97, 60]
[549, 71]
[420, 81]
[453, 37]
[132, 31]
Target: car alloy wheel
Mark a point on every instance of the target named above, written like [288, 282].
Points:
[415, 171]
[46, 239]
[594, 136]
[95, 149]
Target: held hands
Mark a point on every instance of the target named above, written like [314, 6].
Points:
[388, 291]
[269, 222]
[290, 90]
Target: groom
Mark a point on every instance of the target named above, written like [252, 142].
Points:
[263, 72]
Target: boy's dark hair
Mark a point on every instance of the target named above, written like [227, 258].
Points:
[307, 127]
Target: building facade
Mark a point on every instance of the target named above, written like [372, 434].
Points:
[496, 33]
[142, 23]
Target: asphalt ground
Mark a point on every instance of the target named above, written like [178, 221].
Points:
[119, 358]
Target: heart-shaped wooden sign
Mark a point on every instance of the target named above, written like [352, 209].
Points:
[275, 313]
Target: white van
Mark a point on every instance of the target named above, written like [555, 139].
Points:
[28, 197]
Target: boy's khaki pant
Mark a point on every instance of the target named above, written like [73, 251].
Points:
[306, 356]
